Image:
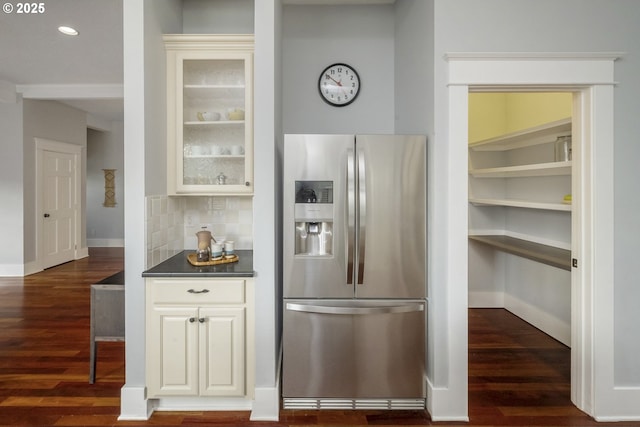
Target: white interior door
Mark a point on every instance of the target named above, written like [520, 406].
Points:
[59, 207]
[58, 210]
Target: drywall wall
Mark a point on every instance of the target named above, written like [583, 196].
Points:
[314, 37]
[493, 114]
[576, 26]
[105, 150]
[217, 16]
[11, 183]
[58, 122]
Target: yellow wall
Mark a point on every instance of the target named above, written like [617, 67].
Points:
[493, 114]
[487, 115]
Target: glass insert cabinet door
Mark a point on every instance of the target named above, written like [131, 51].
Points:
[212, 112]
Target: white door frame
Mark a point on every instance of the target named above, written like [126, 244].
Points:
[42, 145]
[590, 76]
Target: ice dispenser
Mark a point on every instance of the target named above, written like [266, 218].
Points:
[314, 218]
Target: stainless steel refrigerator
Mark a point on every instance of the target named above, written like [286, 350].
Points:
[354, 267]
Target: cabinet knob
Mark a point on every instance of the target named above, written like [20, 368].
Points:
[201, 320]
[192, 319]
[247, 184]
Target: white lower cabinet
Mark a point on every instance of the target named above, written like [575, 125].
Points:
[197, 340]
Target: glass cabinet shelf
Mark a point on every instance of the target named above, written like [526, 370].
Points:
[210, 125]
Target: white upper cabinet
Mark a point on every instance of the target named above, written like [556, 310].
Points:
[209, 114]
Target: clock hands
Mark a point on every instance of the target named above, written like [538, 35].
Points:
[339, 83]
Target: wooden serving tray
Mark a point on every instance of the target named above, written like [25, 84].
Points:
[193, 260]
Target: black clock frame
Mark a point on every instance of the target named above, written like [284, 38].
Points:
[320, 84]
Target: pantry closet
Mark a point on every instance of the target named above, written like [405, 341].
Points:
[520, 219]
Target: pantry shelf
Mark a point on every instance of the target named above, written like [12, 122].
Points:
[549, 255]
[537, 169]
[521, 204]
[542, 134]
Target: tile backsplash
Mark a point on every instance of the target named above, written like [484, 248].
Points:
[172, 222]
[228, 218]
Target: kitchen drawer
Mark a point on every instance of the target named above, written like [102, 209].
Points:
[196, 291]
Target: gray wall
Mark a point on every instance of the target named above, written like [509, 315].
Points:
[413, 67]
[414, 97]
[145, 162]
[105, 150]
[11, 188]
[55, 121]
[217, 16]
[317, 36]
[573, 26]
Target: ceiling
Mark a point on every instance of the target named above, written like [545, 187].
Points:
[84, 71]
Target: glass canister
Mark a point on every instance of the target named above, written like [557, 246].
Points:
[563, 148]
[221, 179]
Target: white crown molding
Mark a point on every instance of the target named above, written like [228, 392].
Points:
[552, 56]
[337, 2]
[208, 41]
[71, 91]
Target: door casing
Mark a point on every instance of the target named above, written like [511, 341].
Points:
[590, 77]
[43, 145]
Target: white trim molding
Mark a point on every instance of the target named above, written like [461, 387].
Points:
[590, 76]
[72, 91]
[557, 69]
[43, 144]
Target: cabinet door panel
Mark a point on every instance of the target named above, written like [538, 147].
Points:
[210, 114]
[222, 360]
[173, 360]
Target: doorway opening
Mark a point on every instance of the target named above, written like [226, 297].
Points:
[590, 78]
[520, 192]
[58, 202]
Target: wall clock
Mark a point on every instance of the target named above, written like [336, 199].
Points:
[339, 85]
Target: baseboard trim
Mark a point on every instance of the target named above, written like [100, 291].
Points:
[266, 404]
[134, 404]
[440, 407]
[542, 320]
[105, 243]
[201, 404]
[619, 404]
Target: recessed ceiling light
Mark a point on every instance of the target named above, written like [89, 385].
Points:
[68, 31]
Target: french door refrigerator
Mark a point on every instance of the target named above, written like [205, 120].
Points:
[354, 271]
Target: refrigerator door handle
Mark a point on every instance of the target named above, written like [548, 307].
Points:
[351, 215]
[362, 215]
[324, 309]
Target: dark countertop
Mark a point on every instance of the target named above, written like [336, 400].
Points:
[179, 266]
[116, 279]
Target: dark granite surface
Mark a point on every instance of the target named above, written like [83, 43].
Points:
[179, 266]
[116, 279]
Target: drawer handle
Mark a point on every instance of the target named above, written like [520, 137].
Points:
[193, 291]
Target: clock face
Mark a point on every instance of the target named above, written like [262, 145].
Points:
[339, 85]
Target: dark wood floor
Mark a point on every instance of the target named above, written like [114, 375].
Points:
[517, 375]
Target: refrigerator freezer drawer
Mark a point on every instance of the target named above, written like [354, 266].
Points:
[347, 349]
